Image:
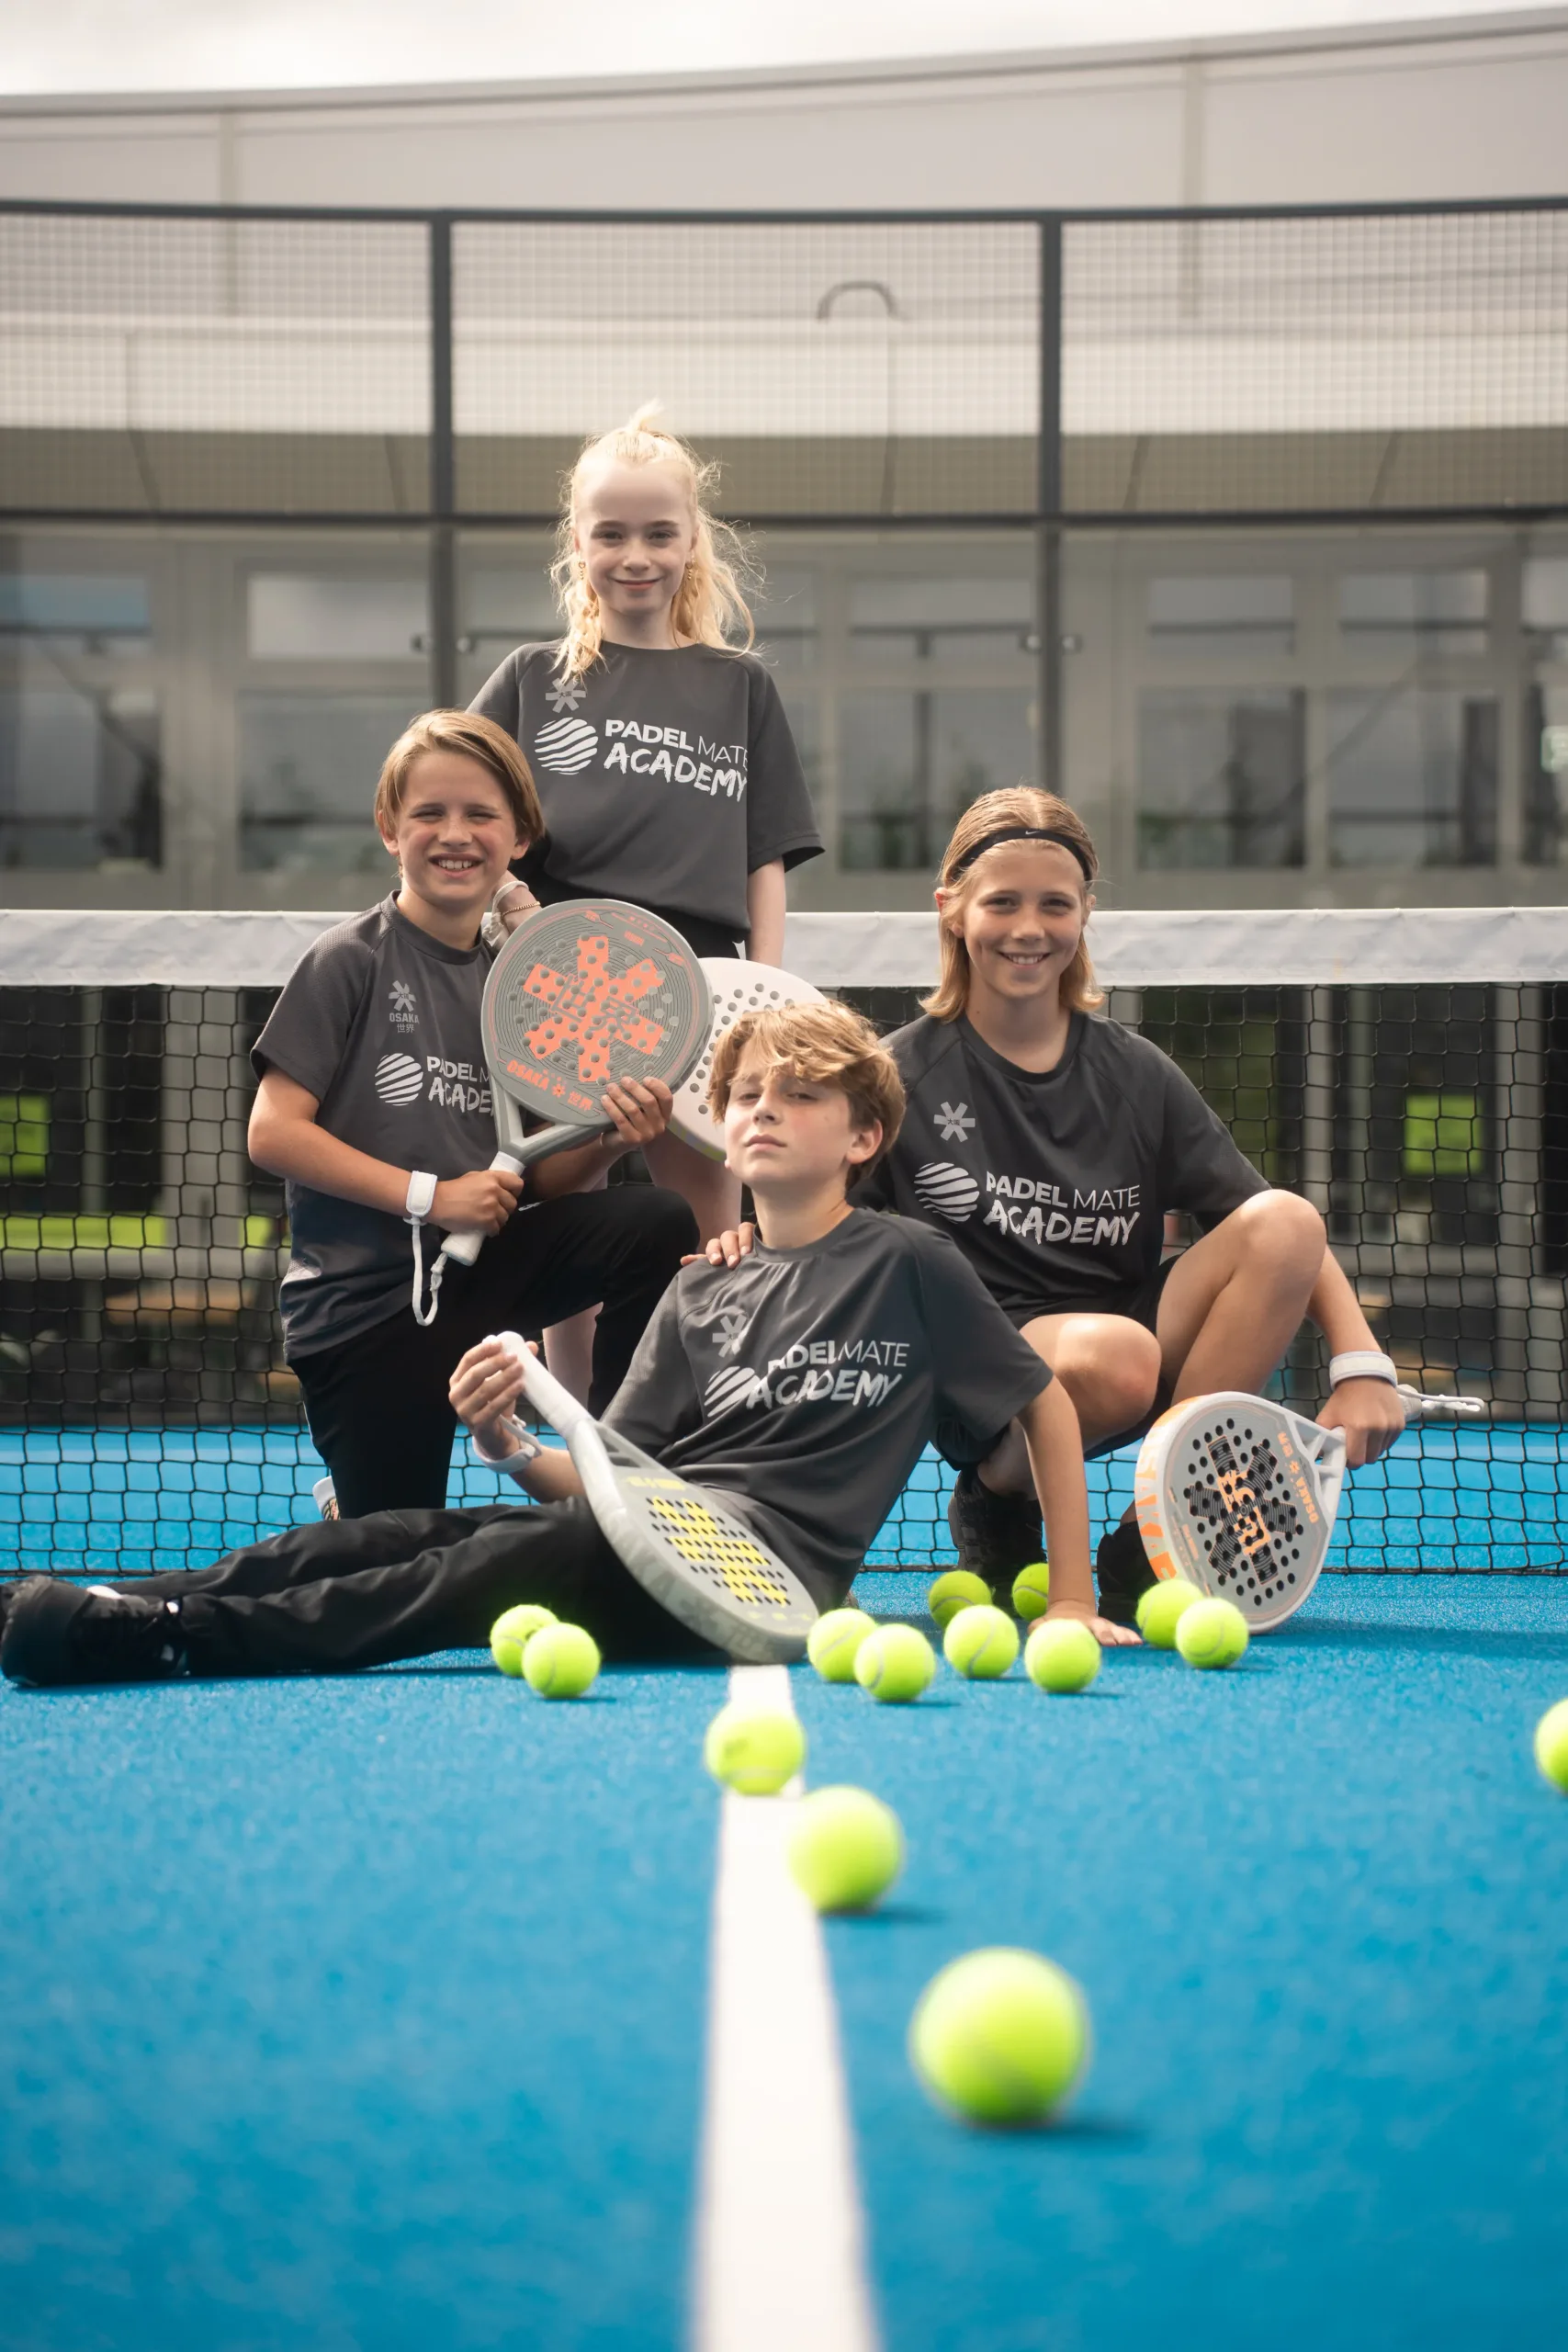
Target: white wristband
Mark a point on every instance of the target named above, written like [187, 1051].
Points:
[1362, 1364]
[528, 1450]
[420, 1197]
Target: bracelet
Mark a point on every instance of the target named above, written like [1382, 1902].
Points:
[512, 1464]
[421, 1196]
[1362, 1364]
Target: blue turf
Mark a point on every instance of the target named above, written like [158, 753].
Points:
[353, 2015]
[111, 1502]
[1320, 1908]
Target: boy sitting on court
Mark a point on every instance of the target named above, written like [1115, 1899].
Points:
[802, 1384]
[374, 1103]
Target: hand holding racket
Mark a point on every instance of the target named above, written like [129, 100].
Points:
[685, 1545]
[1239, 1496]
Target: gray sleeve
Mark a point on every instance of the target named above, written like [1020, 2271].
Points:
[1200, 1168]
[501, 697]
[656, 1402]
[984, 1371]
[780, 819]
[307, 1035]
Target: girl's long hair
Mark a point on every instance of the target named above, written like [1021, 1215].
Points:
[709, 608]
[1019, 804]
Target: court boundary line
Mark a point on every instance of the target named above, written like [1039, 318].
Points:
[780, 2248]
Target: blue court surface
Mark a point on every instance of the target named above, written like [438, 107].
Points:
[370, 2012]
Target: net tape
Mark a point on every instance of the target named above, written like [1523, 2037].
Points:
[147, 1419]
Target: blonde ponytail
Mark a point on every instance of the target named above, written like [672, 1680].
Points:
[709, 608]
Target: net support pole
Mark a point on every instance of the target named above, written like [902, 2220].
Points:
[1048, 492]
[443, 640]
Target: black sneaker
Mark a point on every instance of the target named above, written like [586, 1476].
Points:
[1122, 1572]
[995, 1534]
[60, 1633]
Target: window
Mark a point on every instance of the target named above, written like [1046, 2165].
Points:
[80, 776]
[1411, 777]
[308, 771]
[909, 764]
[297, 616]
[1221, 778]
[1221, 614]
[980, 620]
[1406, 613]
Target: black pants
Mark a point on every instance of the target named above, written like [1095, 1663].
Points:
[323, 1598]
[377, 1404]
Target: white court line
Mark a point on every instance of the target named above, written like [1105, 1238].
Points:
[780, 2253]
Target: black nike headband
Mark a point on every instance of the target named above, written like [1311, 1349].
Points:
[1023, 833]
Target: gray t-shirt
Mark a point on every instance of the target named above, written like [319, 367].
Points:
[665, 777]
[804, 1383]
[1054, 1184]
[381, 1023]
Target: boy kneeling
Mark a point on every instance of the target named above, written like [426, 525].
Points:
[802, 1384]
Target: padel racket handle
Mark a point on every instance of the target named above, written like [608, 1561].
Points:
[544, 1391]
[1419, 1407]
[465, 1247]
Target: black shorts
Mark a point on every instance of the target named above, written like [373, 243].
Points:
[1139, 1302]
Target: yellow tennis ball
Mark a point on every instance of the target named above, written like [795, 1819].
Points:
[560, 1661]
[845, 1848]
[1032, 1590]
[512, 1632]
[1060, 1654]
[1000, 2036]
[1551, 1745]
[895, 1664]
[753, 1750]
[959, 1589]
[980, 1644]
[834, 1641]
[1212, 1633]
[1161, 1608]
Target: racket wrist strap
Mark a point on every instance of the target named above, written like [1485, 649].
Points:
[511, 1465]
[418, 1201]
[1362, 1364]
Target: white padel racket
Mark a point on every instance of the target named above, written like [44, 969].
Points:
[1239, 1496]
[683, 1543]
[736, 988]
[583, 995]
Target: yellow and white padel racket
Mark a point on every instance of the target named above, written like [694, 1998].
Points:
[1239, 1496]
[683, 1543]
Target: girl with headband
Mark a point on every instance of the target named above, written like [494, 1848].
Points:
[1049, 1145]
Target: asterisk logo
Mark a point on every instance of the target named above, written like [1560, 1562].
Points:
[594, 1010]
[564, 694]
[402, 997]
[955, 1123]
[733, 1326]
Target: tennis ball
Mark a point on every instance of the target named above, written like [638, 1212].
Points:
[1551, 1745]
[560, 1662]
[895, 1663]
[1062, 1655]
[753, 1750]
[845, 1848]
[512, 1632]
[1032, 1590]
[1000, 2036]
[1161, 1606]
[959, 1589]
[1212, 1633]
[980, 1643]
[834, 1641]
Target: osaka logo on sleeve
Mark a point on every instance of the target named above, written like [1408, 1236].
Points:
[566, 746]
[399, 1080]
[946, 1190]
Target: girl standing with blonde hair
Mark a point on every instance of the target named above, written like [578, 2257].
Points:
[1051, 1145]
[662, 755]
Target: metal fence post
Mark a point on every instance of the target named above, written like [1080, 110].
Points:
[1048, 503]
[442, 474]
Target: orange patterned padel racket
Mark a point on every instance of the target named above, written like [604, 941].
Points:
[582, 995]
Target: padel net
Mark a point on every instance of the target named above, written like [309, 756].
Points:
[1407, 1070]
